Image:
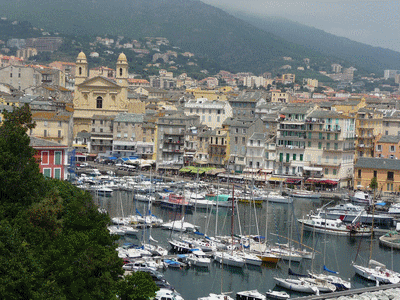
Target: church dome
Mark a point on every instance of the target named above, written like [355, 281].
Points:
[81, 55]
[122, 57]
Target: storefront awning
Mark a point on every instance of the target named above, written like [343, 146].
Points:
[315, 169]
[278, 179]
[293, 180]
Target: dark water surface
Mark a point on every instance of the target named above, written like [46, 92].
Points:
[193, 283]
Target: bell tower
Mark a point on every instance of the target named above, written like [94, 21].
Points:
[81, 68]
[122, 70]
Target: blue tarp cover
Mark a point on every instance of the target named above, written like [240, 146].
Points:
[326, 269]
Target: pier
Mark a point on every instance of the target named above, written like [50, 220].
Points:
[386, 291]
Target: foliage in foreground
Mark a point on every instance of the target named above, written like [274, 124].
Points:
[54, 244]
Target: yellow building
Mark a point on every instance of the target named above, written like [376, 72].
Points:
[99, 95]
[53, 126]
[386, 170]
[350, 107]
[209, 94]
[368, 128]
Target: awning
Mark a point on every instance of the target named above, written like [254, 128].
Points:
[279, 179]
[112, 158]
[332, 182]
[293, 180]
[225, 175]
[268, 171]
[215, 171]
[311, 180]
[316, 169]
[251, 170]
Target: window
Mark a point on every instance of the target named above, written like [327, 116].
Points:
[244, 130]
[390, 175]
[237, 130]
[101, 129]
[359, 173]
[101, 122]
[392, 148]
[10, 75]
[125, 135]
[45, 158]
[94, 122]
[45, 123]
[336, 136]
[45, 133]
[378, 147]
[80, 70]
[309, 144]
[218, 119]
[118, 135]
[93, 129]
[319, 145]
[301, 157]
[320, 135]
[59, 123]
[287, 157]
[336, 146]
[57, 173]
[59, 133]
[99, 102]
[47, 173]
[281, 157]
[328, 136]
[294, 156]
[375, 173]
[386, 132]
[334, 171]
[236, 139]
[328, 146]
[120, 71]
[309, 135]
[243, 140]
[326, 171]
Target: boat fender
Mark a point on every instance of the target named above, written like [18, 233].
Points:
[208, 245]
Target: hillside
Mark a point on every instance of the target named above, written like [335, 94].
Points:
[189, 24]
[364, 56]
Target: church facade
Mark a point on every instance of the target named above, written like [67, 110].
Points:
[99, 95]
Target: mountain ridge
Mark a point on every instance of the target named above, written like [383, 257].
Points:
[190, 24]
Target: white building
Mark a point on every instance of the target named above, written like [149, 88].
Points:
[212, 113]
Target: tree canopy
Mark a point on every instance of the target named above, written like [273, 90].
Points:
[54, 243]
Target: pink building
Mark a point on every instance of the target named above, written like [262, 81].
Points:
[52, 157]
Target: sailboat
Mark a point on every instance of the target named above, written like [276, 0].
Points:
[376, 271]
[338, 282]
[230, 259]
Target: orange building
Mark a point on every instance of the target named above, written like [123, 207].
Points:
[386, 170]
[388, 146]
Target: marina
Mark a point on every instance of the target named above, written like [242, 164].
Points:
[245, 230]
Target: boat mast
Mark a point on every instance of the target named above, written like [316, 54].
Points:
[372, 228]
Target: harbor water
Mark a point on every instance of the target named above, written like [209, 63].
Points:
[275, 221]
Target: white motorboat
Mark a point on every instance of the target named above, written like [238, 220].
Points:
[115, 230]
[337, 227]
[216, 297]
[361, 198]
[253, 295]
[167, 294]
[377, 271]
[277, 295]
[394, 209]
[155, 249]
[305, 194]
[296, 285]
[198, 258]
[278, 198]
[249, 258]
[229, 259]
[179, 225]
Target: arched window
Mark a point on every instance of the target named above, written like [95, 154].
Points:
[120, 71]
[99, 102]
[80, 70]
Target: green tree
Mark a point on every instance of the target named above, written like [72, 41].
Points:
[21, 181]
[373, 184]
[138, 286]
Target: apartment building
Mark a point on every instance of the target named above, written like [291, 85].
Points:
[171, 137]
[53, 126]
[240, 130]
[387, 146]
[244, 105]
[212, 113]
[217, 147]
[391, 123]
[277, 96]
[255, 156]
[368, 127]
[330, 145]
[291, 139]
[102, 134]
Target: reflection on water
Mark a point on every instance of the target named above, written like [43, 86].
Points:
[195, 282]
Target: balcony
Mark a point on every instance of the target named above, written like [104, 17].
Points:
[290, 147]
[173, 142]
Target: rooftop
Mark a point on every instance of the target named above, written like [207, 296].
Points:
[378, 163]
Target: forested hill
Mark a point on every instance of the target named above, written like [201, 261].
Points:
[365, 56]
[189, 24]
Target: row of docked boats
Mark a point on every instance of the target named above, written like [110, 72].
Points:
[248, 295]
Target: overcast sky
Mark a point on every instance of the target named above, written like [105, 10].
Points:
[371, 22]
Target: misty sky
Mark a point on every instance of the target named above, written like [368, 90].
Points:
[371, 22]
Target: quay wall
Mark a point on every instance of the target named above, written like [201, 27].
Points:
[383, 292]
